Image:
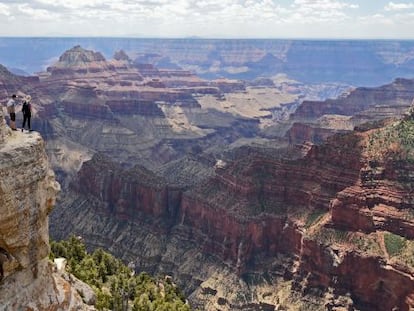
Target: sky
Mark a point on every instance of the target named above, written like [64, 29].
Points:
[313, 19]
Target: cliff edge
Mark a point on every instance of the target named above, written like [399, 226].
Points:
[27, 195]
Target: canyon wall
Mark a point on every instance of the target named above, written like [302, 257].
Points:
[259, 227]
[27, 195]
[263, 219]
[316, 120]
[356, 62]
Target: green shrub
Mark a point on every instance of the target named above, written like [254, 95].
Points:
[315, 216]
[394, 243]
[330, 236]
[116, 286]
[395, 141]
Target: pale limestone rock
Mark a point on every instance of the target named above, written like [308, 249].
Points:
[27, 195]
[220, 164]
[85, 291]
[3, 129]
[60, 264]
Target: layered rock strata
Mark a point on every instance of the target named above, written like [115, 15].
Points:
[135, 113]
[316, 224]
[27, 195]
[260, 219]
[316, 120]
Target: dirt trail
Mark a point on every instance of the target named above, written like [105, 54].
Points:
[381, 243]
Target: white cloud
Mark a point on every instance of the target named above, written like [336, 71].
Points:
[376, 19]
[391, 6]
[324, 4]
[191, 12]
[36, 14]
[194, 11]
[71, 4]
[311, 11]
[4, 9]
[208, 18]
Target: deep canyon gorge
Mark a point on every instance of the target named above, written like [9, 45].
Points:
[269, 193]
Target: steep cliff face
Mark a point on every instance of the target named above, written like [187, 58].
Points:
[334, 225]
[128, 193]
[365, 247]
[27, 195]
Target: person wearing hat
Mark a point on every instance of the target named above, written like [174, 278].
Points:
[27, 112]
[11, 109]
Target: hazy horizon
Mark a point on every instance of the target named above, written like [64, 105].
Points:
[210, 19]
[206, 38]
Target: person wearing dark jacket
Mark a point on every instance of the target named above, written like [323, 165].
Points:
[27, 113]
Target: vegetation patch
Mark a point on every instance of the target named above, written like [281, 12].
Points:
[330, 236]
[395, 141]
[116, 285]
[406, 256]
[314, 217]
[394, 243]
[366, 243]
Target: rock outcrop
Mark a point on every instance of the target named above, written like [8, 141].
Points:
[316, 120]
[27, 195]
[314, 219]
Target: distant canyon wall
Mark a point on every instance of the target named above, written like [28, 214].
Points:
[356, 62]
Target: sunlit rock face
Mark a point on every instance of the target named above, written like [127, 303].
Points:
[307, 221]
[316, 120]
[27, 195]
[138, 113]
[256, 227]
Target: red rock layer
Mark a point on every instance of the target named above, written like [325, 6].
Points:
[128, 193]
[250, 209]
[373, 284]
[144, 108]
[301, 132]
[381, 200]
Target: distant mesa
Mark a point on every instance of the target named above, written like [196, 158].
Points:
[121, 55]
[78, 56]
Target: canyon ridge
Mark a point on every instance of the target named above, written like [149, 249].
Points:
[268, 194]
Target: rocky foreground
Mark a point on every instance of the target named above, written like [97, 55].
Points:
[27, 195]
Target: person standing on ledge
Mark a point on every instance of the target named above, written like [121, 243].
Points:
[11, 109]
[27, 112]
